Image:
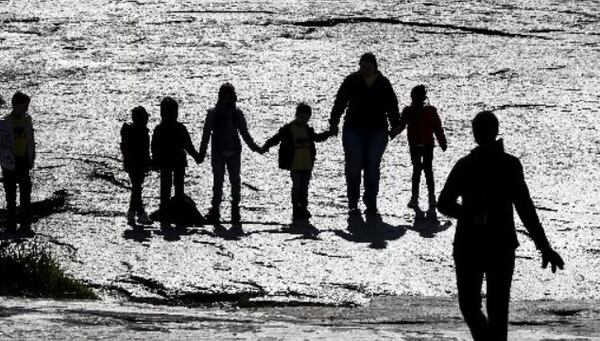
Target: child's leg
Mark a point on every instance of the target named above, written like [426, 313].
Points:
[428, 170]
[135, 202]
[218, 168]
[415, 158]
[10, 188]
[234, 169]
[296, 196]
[166, 180]
[305, 183]
[24, 181]
[178, 181]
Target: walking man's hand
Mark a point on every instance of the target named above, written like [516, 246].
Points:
[551, 257]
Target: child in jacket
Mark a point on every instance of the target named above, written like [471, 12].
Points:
[297, 153]
[135, 147]
[170, 143]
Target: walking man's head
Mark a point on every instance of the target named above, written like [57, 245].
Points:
[227, 95]
[418, 94]
[485, 128]
[20, 103]
[169, 109]
[303, 113]
[368, 64]
[139, 116]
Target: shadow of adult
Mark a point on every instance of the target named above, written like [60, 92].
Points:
[374, 231]
[427, 223]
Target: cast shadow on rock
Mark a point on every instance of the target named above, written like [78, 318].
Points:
[374, 231]
[173, 234]
[235, 232]
[304, 228]
[56, 203]
[181, 211]
[138, 234]
[427, 224]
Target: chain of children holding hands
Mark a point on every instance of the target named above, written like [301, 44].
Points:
[488, 181]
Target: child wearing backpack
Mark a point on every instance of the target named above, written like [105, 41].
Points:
[297, 153]
[170, 142]
[135, 147]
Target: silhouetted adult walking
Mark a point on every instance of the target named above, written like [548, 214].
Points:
[369, 100]
[226, 122]
[489, 181]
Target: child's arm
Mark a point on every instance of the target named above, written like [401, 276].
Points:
[439, 131]
[320, 137]
[245, 134]
[273, 141]
[397, 130]
[188, 146]
[155, 148]
[124, 145]
[206, 131]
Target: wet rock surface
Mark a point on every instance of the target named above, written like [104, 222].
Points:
[86, 65]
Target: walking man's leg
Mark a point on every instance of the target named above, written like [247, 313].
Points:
[469, 279]
[499, 278]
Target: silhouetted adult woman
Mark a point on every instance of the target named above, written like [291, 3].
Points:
[370, 103]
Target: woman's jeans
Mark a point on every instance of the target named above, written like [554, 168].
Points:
[363, 150]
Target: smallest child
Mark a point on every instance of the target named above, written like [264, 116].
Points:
[297, 153]
[135, 147]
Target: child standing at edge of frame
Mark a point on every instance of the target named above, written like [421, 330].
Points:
[170, 142]
[18, 156]
[135, 147]
[423, 122]
[297, 153]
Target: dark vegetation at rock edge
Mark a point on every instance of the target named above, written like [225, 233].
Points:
[30, 270]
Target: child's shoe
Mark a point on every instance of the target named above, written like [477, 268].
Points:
[413, 202]
[235, 214]
[432, 202]
[143, 218]
[131, 218]
[213, 216]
